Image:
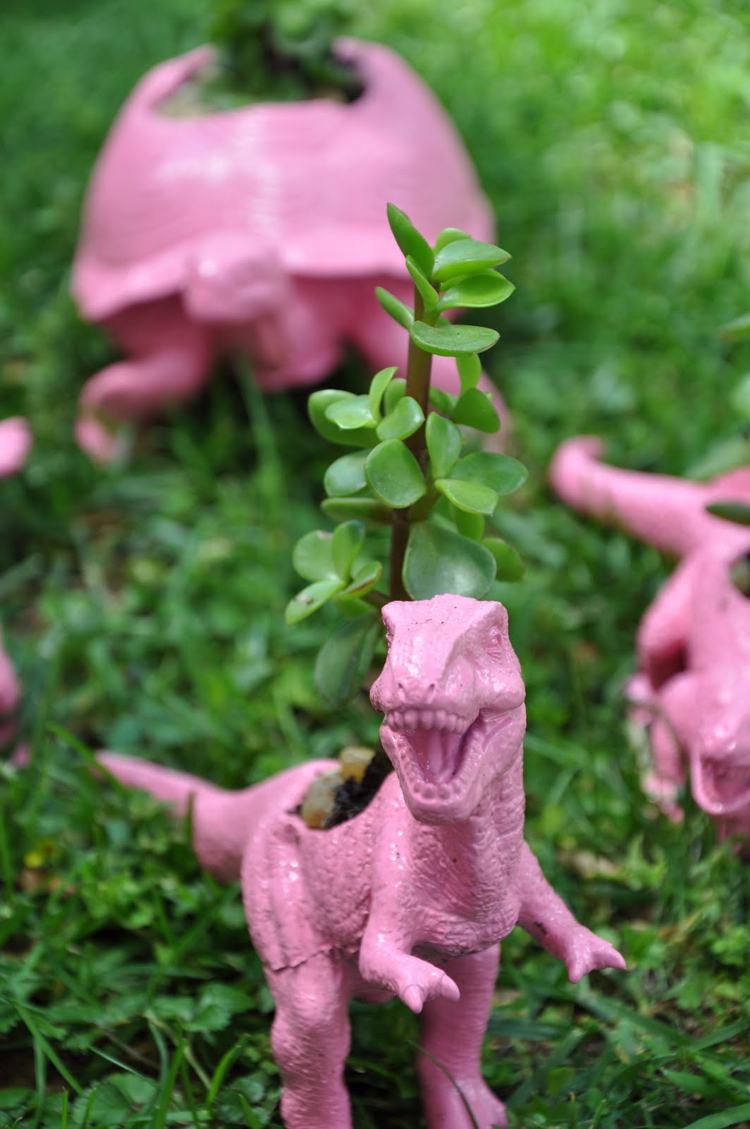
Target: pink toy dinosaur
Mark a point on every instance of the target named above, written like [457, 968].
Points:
[261, 230]
[15, 443]
[693, 687]
[411, 896]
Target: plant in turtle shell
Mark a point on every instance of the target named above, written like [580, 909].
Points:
[257, 230]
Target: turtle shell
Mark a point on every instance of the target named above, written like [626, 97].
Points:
[309, 178]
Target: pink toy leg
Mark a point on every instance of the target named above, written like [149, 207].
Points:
[676, 705]
[452, 1034]
[664, 629]
[169, 363]
[15, 444]
[310, 1040]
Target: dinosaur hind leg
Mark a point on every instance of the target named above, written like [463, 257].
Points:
[452, 1032]
[310, 1040]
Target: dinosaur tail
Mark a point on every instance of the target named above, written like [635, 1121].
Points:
[663, 511]
[223, 822]
[220, 829]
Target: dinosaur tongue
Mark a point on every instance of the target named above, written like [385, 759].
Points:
[437, 752]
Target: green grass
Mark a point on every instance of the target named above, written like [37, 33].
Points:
[143, 606]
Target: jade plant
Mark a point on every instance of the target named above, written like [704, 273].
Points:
[413, 498]
[280, 50]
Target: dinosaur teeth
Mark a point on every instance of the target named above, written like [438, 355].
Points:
[437, 721]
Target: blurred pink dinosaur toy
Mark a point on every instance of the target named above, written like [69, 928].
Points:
[15, 443]
[410, 897]
[261, 230]
[693, 687]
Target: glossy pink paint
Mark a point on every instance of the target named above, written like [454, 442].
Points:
[412, 896]
[692, 691]
[260, 230]
[15, 444]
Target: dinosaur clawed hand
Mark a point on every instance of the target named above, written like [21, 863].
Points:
[413, 980]
[584, 952]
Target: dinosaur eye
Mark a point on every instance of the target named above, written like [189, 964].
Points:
[739, 574]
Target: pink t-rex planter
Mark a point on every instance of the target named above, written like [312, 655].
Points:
[409, 898]
[15, 443]
[262, 230]
[693, 686]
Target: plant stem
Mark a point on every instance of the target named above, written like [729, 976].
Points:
[418, 370]
[399, 541]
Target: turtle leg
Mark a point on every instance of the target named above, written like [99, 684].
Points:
[310, 1040]
[169, 361]
[449, 1063]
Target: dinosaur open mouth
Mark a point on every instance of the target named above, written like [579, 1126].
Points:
[721, 785]
[437, 742]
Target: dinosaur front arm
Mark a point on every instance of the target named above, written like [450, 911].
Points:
[545, 917]
[385, 954]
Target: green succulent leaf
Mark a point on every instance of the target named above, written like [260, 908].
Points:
[410, 241]
[403, 421]
[510, 566]
[466, 256]
[365, 509]
[449, 235]
[312, 556]
[344, 659]
[427, 293]
[731, 511]
[450, 340]
[501, 473]
[378, 385]
[311, 598]
[476, 291]
[440, 560]
[469, 370]
[395, 391]
[471, 525]
[351, 414]
[474, 497]
[737, 330]
[443, 444]
[394, 474]
[394, 307]
[475, 409]
[318, 405]
[365, 575]
[346, 543]
[442, 401]
[346, 475]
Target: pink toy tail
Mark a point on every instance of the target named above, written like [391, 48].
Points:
[663, 511]
[219, 836]
[176, 789]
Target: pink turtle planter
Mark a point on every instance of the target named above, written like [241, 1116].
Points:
[411, 897]
[259, 230]
[693, 687]
[15, 444]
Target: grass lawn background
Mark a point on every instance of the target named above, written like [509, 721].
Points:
[142, 605]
